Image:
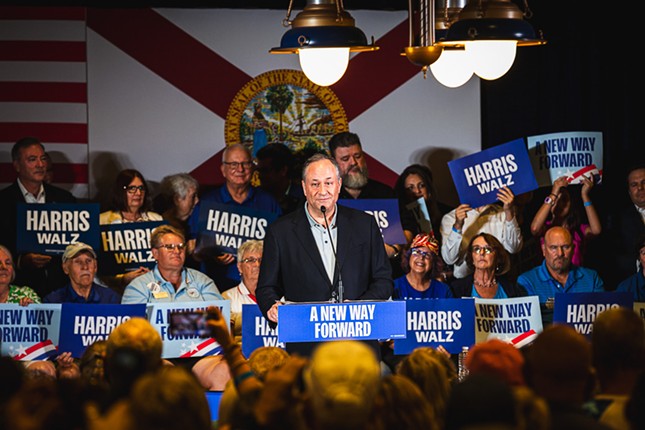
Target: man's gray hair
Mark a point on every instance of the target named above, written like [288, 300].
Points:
[319, 157]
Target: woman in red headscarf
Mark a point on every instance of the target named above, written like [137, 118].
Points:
[421, 266]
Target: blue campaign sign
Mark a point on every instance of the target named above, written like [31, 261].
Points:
[573, 154]
[478, 177]
[29, 332]
[386, 214]
[223, 228]
[81, 325]
[319, 322]
[256, 332]
[438, 322]
[50, 227]
[185, 346]
[126, 247]
[579, 310]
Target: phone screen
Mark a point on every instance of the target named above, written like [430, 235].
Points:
[188, 323]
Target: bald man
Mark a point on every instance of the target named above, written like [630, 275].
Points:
[557, 274]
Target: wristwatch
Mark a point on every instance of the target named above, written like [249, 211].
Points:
[549, 200]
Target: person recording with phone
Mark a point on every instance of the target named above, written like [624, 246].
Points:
[322, 251]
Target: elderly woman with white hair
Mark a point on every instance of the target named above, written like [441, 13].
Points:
[12, 293]
[249, 257]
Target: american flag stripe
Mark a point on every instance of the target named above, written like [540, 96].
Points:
[43, 89]
[208, 347]
[37, 351]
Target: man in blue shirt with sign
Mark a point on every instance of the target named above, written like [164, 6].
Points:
[79, 263]
[237, 169]
[556, 274]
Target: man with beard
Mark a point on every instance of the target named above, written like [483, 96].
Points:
[556, 274]
[346, 149]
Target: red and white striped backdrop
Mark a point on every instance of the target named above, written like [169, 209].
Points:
[43, 89]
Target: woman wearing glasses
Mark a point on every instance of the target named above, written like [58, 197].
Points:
[249, 257]
[420, 265]
[489, 262]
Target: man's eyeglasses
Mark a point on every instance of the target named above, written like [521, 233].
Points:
[420, 253]
[479, 250]
[173, 246]
[252, 260]
[234, 165]
[131, 189]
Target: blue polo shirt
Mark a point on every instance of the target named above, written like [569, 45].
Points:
[98, 296]
[228, 276]
[539, 282]
[635, 284]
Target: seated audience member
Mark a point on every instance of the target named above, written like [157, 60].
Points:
[11, 293]
[635, 284]
[40, 272]
[237, 192]
[170, 280]
[618, 351]
[497, 358]
[420, 266]
[559, 368]
[275, 166]
[249, 257]
[460, 225]
[627, 226]
[79, 263]
[169, 399]
[481, 402]
[129, 202]
[489, 262]
[179, 193]
[433, 372]
[557, 274]
[400, 404]
[412, 184]
[559, 209]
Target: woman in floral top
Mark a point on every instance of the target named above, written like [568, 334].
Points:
[11, 293]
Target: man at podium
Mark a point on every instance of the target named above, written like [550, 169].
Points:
[322, 252]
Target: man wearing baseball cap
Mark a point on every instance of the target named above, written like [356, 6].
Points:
[79, 264]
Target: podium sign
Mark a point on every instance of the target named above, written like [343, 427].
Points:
[360, 320]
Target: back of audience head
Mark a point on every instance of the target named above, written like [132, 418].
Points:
[342, 380]
[267, 358]
[558, 366]
[618, 345]
[92, 363]
[481, 402]
[498, 359]
[169, 399]
[400, 404]
[432, 372]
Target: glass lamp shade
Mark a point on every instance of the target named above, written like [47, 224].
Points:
[453, 68]
[324, 66]
[491, 59]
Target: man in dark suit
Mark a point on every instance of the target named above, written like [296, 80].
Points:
[298, 261]
[43, 273]
[626, 227]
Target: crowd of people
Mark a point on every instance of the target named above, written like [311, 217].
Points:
[319, 250]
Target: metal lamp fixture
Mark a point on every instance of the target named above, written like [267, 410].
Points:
[323, 34]
[490, 31]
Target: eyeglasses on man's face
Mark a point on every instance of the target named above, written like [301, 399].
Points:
[170, 247]
[131, 189]
[420, 253]
[252, 260]
[479, 250]
[234, 165]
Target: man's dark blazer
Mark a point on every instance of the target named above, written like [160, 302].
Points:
[292, 266]
[43, 281]
[626, 230]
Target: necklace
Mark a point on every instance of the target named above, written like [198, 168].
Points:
[490, 284]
